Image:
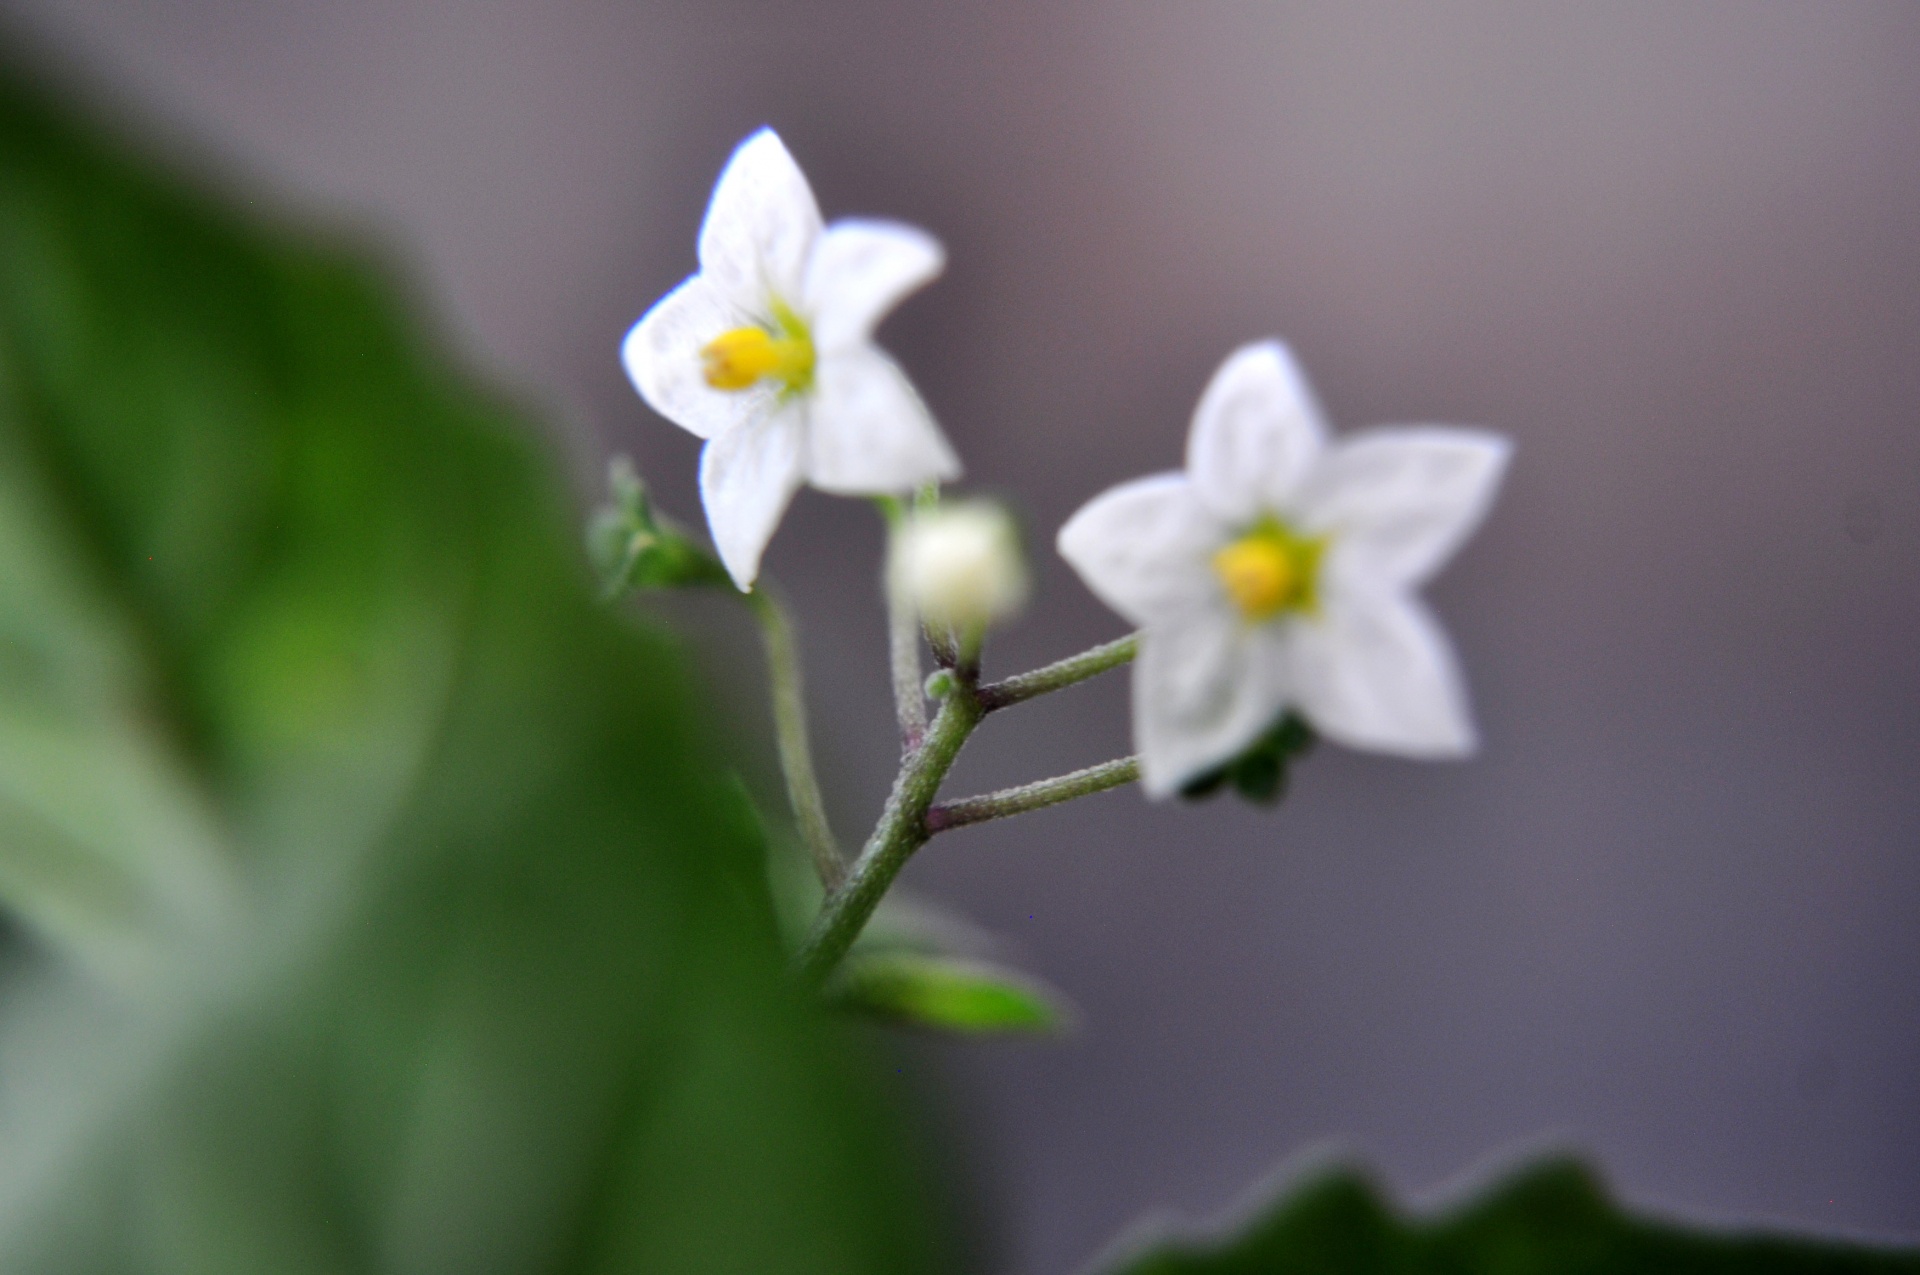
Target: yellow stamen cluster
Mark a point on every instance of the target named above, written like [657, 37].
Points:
[1269, 570]
[741, 358]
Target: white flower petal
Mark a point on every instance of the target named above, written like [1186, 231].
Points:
[662, 356]
[1256, 433]
[760, 226]
[1374, 671]
[1203, 690]
[868, 433]
[1145, 548]
[1398, 502]
[859, 270]
[747, 476]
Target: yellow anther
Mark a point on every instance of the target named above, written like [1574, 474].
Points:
[1269, 570]
[743, 357]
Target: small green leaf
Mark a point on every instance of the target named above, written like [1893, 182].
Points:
[971, 997]
[635, 547]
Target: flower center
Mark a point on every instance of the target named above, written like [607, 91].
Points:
[743, 357]
[1271, 569]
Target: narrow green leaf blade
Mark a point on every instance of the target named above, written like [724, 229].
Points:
[968, 997]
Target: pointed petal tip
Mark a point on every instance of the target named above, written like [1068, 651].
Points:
[630, 354]
[740, 557]
[1380, 676]
[869, 431]
[1403, 499]
[1463, 748]
[1156, 784]
[1495, 449]
[741, 561]
[1140, 547]
[1457, 741]
[761, 223]
[860, 269]
[760, 151]
[661, 357]
[1460, 747]
[1269, 349]
[747, 478]
[1498, 450]
[636, 354]
[1269, 358]
[764, 136]
[1256, 432]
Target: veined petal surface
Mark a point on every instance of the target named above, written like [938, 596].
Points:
[747, 476]
[1203, 690]
[1256, 433]
[868, 433]
[1145, 548]
[662, 357]
[859, 270]
[760, 226]
[1400, 501]
[1374, 671]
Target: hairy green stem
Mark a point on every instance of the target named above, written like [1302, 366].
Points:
[902, 830]
[905, 823]
[1061, 673]
[1034, 796]
[903, 640]
[790, 733]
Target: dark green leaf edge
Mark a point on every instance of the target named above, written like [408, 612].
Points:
[1551, 1217]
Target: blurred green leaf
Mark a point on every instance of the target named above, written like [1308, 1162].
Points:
[970, 997]
[395, 916]
[1553, 1218]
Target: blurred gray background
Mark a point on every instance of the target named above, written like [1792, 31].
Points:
[1671, 915]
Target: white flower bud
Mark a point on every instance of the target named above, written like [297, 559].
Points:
[960, 565]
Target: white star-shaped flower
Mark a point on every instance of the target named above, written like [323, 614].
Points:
[767, 353]
[1280, 570]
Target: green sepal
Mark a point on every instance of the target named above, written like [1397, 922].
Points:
[1260, 773]
[947, 994]
[636, 547]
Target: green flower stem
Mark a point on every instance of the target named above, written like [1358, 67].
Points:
[903, 641]
[905, 824]
[902, 830]
[1034, 796]
[790, 732]
[1061, 673]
